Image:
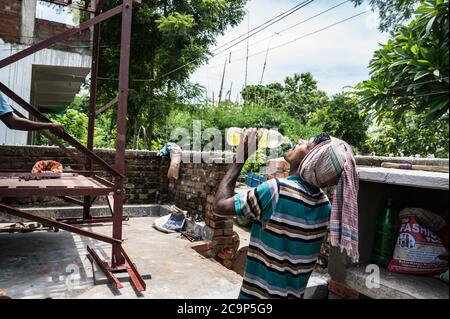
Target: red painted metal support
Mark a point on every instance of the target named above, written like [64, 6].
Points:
[92, 106]
[136, 278]
[107, 106]
[41, 117]
[59, 37]
[117, 257]
[105, 268]
[94, 220]
[120, 262]
[49, 222]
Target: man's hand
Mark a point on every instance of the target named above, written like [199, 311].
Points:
[57, 129]
[248, 145]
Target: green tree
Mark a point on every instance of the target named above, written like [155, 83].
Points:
[411, 71]
[170, 39]
[342, 118]
[299, 96]
[410, 138]
[74, 122]
[393, 13]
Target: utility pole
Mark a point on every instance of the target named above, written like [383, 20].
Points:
[223, 78]
[265, 60]
[248, 44]
[229, 92]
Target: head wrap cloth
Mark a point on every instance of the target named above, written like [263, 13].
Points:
[328, 163]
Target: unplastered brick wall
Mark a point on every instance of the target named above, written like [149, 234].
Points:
[44, 29]
[10, 20]
[146, 174]
[194, 191]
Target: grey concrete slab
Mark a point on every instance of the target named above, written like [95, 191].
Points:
[149, 210]
[422, 179]
[48, 264]
[396, 286]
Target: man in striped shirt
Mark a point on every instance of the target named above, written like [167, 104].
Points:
[290, 222]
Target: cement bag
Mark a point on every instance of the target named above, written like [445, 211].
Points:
[418, 249]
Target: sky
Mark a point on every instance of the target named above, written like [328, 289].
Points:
[337, 57]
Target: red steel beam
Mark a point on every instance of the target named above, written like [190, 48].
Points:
[41, 117]
[59, 37]
[92, 103]
[49, 222]
[105, 270]
[117, 257]
[94, 220]
[136, 278]
[66, 151]
[107, 106]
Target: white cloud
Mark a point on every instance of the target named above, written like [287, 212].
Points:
[336, 57]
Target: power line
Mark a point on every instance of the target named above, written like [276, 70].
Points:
[261, 25]
[304, 36]
[303, 4]
[301, 22]
[279, 46]
[279, 17]
[292, 26]
[314, 32]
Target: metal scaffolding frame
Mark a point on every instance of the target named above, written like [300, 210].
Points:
[83, 183]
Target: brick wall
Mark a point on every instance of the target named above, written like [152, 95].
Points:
[44, 29]
[146, 180]
[194, 191]
[10, 20]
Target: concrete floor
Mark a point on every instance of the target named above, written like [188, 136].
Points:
[48, 264]
[54, 265]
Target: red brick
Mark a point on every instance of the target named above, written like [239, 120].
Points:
[222, 240]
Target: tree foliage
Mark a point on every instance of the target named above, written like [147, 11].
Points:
[411, 71]
[411, 138]
[342, 118]
[299, 97]
[170, 39]
[393, 13]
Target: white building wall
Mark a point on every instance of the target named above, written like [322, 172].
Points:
[17, 77]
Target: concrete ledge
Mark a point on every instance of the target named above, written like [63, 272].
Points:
[421, 179]
[396, 286]
[151, 210]
[377, 160]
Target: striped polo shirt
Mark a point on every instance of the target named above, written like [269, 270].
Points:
[290, 222]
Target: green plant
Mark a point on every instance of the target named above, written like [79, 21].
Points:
[411, 71]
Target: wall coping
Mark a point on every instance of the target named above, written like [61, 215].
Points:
[360, 160]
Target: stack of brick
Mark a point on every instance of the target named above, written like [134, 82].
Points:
[194, 191]
[225, 241]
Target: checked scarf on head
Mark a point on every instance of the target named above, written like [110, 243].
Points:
[326, 163]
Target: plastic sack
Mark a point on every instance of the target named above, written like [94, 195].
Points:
[419, 249]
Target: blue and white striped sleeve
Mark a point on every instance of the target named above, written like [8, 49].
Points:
[259, 203]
